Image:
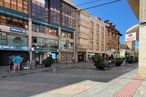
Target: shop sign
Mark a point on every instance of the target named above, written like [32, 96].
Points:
[3, 47]
[11, 29]
[17, 30]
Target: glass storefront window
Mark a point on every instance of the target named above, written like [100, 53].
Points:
[52, 43]
[41, 42]
[17, 41]
[66, 35]
[70, 45]
[3, 38]
[63, 44]
[2, 42]
[44, 43]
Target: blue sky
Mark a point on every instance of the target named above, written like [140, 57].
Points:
[120, 13]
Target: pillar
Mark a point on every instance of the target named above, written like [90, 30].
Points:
[59, 44]
[30, 32]
[142, 39]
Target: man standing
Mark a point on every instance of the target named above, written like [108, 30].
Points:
[17, 61]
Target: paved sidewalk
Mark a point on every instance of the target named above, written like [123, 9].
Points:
[6, 72]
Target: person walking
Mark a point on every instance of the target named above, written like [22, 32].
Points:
[17, 61]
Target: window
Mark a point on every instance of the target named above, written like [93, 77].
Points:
[66, 35]
[15, 22]
[17, 41]
[1, 2]
[68, 16]
[40, 11]
[2, 38]
[97, 27]
[18, 5]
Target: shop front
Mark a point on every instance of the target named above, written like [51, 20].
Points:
[81, 56]
[12, 43]
[43, 47]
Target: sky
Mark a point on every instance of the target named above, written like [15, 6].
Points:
[119, 13]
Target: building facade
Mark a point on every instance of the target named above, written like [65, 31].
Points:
[139, 8]
[112, 40]
[52, 27]
[90, 38]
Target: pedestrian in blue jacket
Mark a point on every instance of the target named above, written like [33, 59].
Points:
[17, 61]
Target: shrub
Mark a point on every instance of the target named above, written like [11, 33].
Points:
[130, 59]
[136, 59]
[99, 62]
[48, 61]
[118, 61]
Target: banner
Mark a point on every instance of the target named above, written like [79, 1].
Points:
[130, 37]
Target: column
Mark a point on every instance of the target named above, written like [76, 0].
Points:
[30, 32]
[59, 39]
[142, 39]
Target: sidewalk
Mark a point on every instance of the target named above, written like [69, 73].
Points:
[6, 72]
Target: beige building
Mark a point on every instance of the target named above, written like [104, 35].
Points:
[90, 38]
[139, 8]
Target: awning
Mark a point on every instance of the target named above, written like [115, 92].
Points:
[134, 28]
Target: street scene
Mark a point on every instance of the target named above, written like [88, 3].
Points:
[72, 48]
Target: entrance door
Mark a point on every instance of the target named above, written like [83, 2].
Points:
[81, 57]
[4, 56]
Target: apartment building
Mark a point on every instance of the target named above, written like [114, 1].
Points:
[90, 36]
[112, 40]
[37, 29]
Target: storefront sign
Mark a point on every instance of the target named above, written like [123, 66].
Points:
[3, 47]
[17, 30]
[12, 29]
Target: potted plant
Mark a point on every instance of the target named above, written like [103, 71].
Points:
[48, 61]
[118, 61]
[99, 62]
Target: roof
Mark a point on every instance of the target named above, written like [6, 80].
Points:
[70, 2]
